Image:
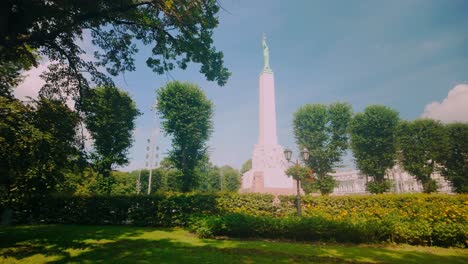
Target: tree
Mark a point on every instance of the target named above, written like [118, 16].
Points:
[246, 166]
[325, 184]
[10, 73]
[79, 182]
[374, 143]
[110, 118]
[179, 31]
[323, 130]
[208, 176]
[212, 178]
[186, 116]
[230, 179]
[423, 143]
[455, 162]
[18, 138]
[58, 148]
[37, 146]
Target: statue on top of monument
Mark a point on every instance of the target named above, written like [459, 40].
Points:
[266, 55]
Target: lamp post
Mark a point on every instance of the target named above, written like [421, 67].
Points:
[152, 156]
[305, 156]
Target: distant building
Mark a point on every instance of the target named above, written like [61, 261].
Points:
[354, 182]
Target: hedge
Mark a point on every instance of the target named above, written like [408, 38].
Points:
[418, 219]
[163, 210]
[320, 228]
[315, 228]
[154, 210]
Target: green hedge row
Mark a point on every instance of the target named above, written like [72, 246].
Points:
[319, 228]
[418, 219]
[315, 228]
[165, 210]
[154, 210]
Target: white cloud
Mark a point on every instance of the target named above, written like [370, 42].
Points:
[453, 108]
[32, 82]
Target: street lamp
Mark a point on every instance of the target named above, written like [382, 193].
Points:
[305, 154]
[288, 154]
[305, 157]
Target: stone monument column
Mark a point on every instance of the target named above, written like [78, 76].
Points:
[268, 163]
[267, 110]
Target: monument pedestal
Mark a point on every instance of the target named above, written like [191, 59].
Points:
[268, 172]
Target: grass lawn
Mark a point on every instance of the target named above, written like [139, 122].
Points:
[122, 244]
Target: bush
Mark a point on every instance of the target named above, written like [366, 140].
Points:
[251, 204]
[418, 219]
[379, 187]
[164, 210]
[302, 229]
[321, 228]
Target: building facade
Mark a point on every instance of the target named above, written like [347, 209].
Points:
[354, 182]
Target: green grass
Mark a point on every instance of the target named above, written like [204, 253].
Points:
[122, 244]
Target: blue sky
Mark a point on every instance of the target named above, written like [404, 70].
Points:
[403, 54]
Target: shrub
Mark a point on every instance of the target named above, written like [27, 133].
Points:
[302, 229]
[320, 228]
[251, 204]
[165, 210]
[418, 219]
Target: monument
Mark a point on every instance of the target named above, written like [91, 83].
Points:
[268, 162]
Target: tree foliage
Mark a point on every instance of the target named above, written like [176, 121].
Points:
[325, 184]
[230, 179]
[374, 144]
[211, 178]
[323, 130]
[17, 141]
[164, 179]
[110, 119]
[10, 73]
[423, 144]
[208, 177]
[455, 162]
[37, 146]
[187, 116]
[304, 176]
[246, 166]
[179, 31]
[298, 172]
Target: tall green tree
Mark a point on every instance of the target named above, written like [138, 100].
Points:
[455, 162]
[423, 144]
[110, 116]
[208, 176]
[374, 144]
[246, 166]
[212, 178]
[18, 140]
[37, 145]
[323, 130]
[230, 179]
[58, 123]
[179, 32]
[187, 117]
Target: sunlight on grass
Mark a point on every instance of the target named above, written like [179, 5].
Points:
[108, 244]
